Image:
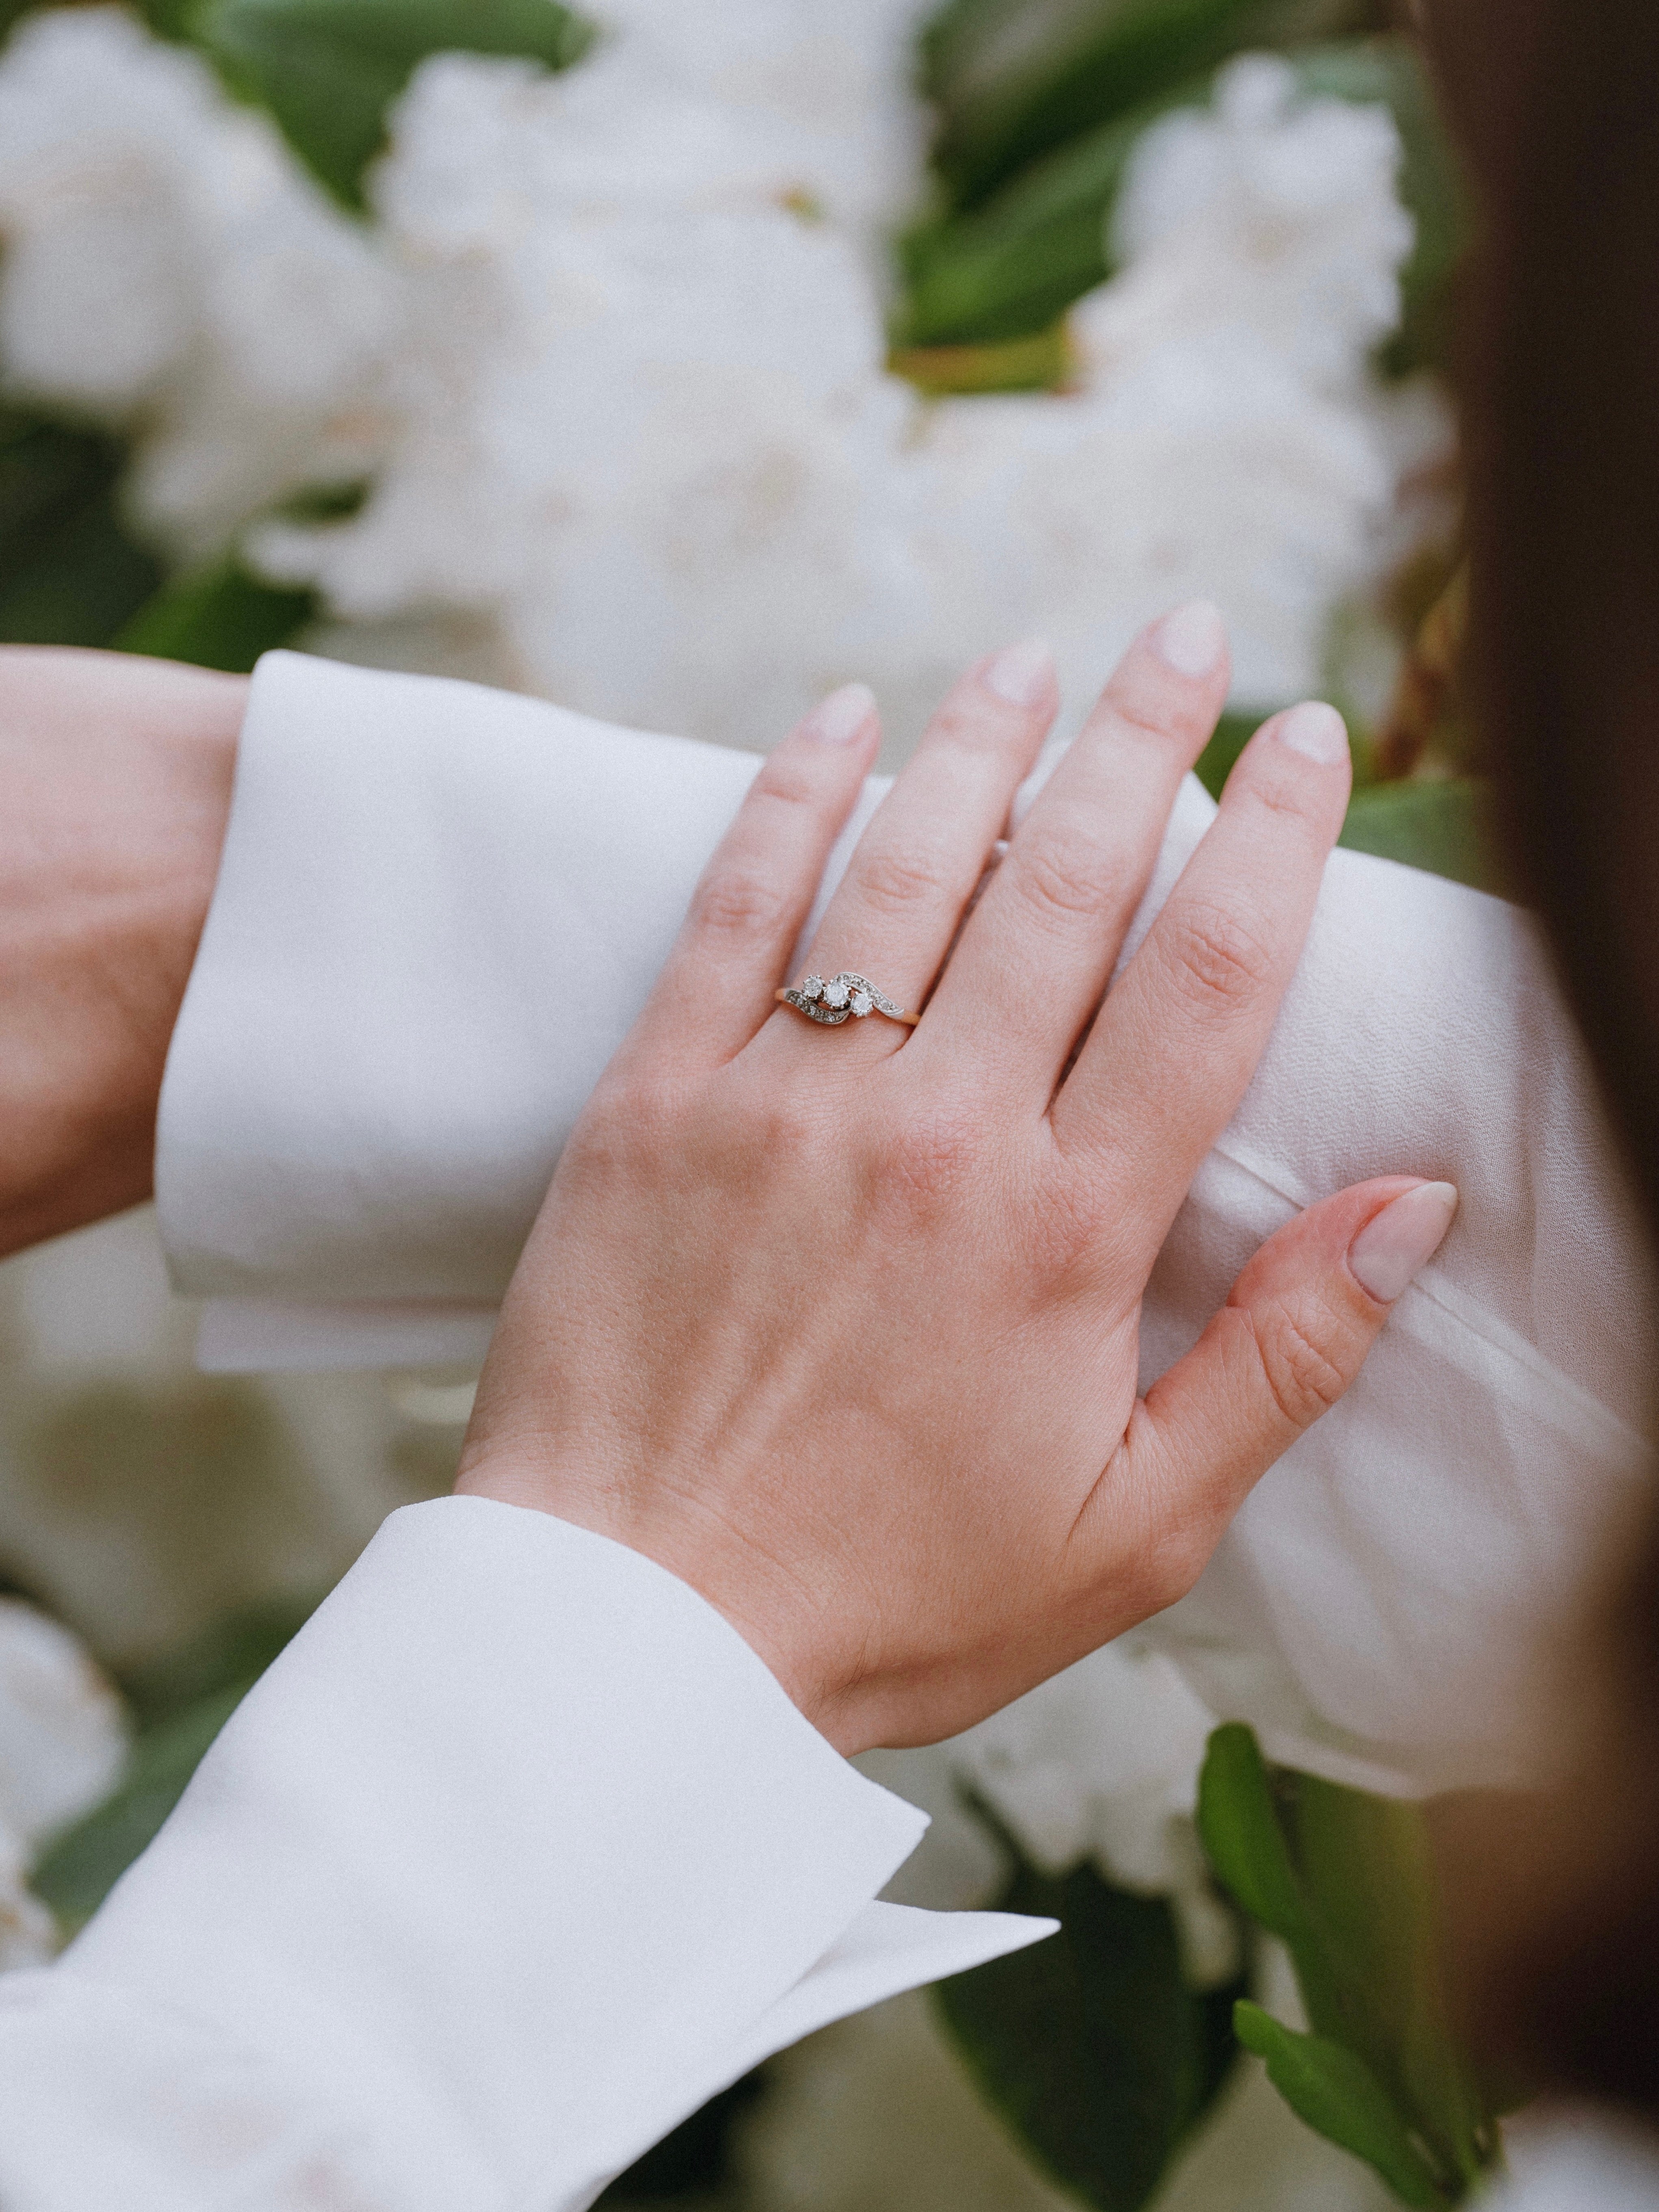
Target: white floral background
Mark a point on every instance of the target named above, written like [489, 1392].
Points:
[611, 351]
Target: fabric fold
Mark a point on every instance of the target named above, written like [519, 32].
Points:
[439, 907]
[513, 1857]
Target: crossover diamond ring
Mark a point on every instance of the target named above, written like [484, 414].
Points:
[840, 997]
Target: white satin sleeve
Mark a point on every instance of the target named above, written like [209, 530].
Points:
[439, 910]
[514, 1857]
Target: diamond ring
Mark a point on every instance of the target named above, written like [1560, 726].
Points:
[842, 996]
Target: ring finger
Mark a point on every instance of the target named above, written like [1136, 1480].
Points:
[895, 912]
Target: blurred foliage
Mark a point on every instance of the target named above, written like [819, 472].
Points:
[697, 2158]
[71, 574]
[1092, 2047]
[218, 617]
[1009, 80]
[1345, 1880]
[1447, 827]
[1006, 264]
[329, 70]
[180, 1704]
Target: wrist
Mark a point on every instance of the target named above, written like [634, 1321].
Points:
[751, 1592]
[117, 774]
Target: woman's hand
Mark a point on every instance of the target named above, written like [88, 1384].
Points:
[115, 776]
[841, 1325]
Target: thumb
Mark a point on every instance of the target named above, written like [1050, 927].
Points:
[1292, 1336]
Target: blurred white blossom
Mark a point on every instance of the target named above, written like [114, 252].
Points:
[641, 421]
[62, 1745]
[1100, 1763]
[613, 352]
[168, 267]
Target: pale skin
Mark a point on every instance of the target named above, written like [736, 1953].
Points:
[115, 775]
[840, 1326]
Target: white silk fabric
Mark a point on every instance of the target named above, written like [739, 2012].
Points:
[440, 909]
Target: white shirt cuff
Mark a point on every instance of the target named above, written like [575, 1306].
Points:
[514, 1857]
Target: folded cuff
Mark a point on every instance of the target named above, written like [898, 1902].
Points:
[514, 1856]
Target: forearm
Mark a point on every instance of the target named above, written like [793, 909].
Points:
[115, 776]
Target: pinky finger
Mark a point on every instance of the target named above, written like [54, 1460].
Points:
[1291, 1337]
[753, 898]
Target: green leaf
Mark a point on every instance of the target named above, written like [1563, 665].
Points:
[1012, 79]
[71, 573]
[1339, 2098]
[1016, 261]
[1091, 2045]
[78, 1871]
[328, 70]
[697, 2157]
[1365, 1866]
[1038, 362]
[1240, 1826]
[1013, 266]
[1344, 1878]
[181, 1701]
[1447, 828]
[233, 1651]
[218, 617]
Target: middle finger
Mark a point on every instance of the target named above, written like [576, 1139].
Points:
[1039, 948]
[895, 912]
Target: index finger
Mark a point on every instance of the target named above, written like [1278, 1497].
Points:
[1173, 1048]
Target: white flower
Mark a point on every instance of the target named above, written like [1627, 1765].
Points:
[641, 414]
[640, 420]
[1228, 440]
[168, 267]
[1266, 216]
[62, 1746]
[831, 86]
[1099, 1763]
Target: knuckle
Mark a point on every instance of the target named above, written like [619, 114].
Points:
[895, 879]
[625, 1117]
[1064, 876]
[1298, 1356]
[785, 778]
[1075, 1230]
[1162, 727]
[930, 1158]
[970, 721]
[1217, 959]
[737, 902]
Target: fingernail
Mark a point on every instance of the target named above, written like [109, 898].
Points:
[838, 719]
[1192, 639]
[1020, 674]
[1318, 733]
[1395, 1244]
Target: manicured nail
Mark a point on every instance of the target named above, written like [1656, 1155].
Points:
[1021, 673]
[1318, 733]
[1405, 1237]
[1192, 639]
[838, 719]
